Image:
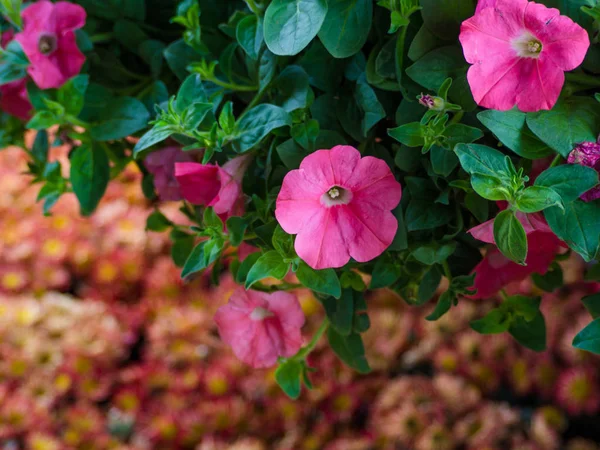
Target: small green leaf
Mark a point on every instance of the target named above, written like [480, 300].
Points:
[90, 173]
[592, 304]
[434, 253]
[537, 198]
[289, 377]
[269, 265]
[443, 306]
[531, 334]
[494, 322]
[510, 237]
[158, 222]
[349, 349]
[589, 338]
[236, 228]
[385, 273]
[322, 281]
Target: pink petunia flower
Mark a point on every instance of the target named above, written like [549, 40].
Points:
[13, 96]
[339, 205]
[212, 185]
[48, 40]
[587, 154]
[14, 99]
[496, 271]
[161, 164]
[519, 51]
[261, 327]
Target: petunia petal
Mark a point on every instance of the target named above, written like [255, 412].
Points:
[199, 183]
[320, 242]
[318, 169]
[563, 41]
[68, 16]
[373, 182]
[541, 82]
[344, 160]
[368, 231]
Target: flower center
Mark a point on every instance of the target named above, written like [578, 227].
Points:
[527, 46]
[47, 43]
[336, 195]
[259, 313]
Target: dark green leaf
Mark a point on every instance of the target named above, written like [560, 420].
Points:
[531, 334]
[90, 173]
[269, 265]
[349, 349]
[346, 26]
[289, 377]
[510, 236]
[570, 181]
[322, 281]
[258, 123]
[290, 25]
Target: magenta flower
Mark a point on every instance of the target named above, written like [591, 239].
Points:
[587, 154]
[161, 164]
[519, 51]
[13, 96]
[48, 40]
[261, 327]
[212, 185]
[339, 205]
[531, 223]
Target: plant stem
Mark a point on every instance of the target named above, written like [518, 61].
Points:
[254, 7]
[102, 37]
[556, 161]
[447, 272]
[232, 86]
[314, 341]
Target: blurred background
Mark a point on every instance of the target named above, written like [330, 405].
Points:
[103, 347]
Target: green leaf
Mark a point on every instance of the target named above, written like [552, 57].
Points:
[236, 228]
[157, 134]
[494, 322]
[283, 243]
[457, 133]
[432, 70]
[443, 161]
[570, 181]
[158, 222]
[257, 124]
[269, 265]
[483, 160]
[203, 255]
[589, 338]
[349, 349]
[428, 285]
[245, 266]
[72, 94]
[367, 100]
[510, 237]
[42, 120]
[346, 26]
[191, 91]
[443, 17]
[385, 273]
[90, 173]
[410, 134]
[152, 52]
[210, 219]
[293, 89]
[592, 304]
[578, 225]
[289, 377]
[322, 281]
[571, 121]
[249, 34]
[290, 25]
[531, 334]
[341, 312]
[510, 129]
[490, 188]
[122, 117]
[434, 253]
[537, 198]
[443, 306]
